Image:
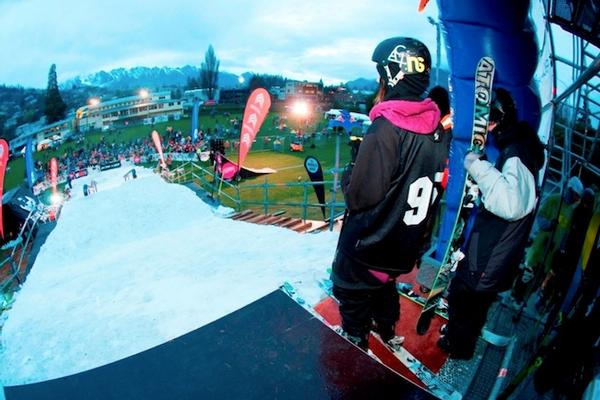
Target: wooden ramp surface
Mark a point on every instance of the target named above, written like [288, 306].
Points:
[270, 349]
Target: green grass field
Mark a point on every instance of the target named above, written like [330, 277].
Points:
[289, 165]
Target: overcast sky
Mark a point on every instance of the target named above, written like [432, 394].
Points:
[306, 39]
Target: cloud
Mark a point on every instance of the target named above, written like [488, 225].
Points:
[331, 39]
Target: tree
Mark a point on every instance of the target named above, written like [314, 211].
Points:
[209, 72]
[265, 81]
[2, 122]
[191, 83]
[56, 108]
[176, 93]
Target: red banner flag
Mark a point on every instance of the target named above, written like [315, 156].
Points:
[256, 110]
[53, 174]
[158, 145]
[3, 163]
[422, 5]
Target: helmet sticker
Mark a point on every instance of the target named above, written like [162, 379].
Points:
[393, 80]
[408, 64]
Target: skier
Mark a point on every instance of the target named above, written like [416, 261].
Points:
[93, 188]
[388, 190]
[502, 224]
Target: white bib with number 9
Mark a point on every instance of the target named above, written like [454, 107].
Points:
[419, 197]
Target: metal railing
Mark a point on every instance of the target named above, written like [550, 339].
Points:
[15, 262]
[294, 195]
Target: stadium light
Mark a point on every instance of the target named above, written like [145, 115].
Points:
[144, 94]
[300, 108]
[55, 198]
[92, 102]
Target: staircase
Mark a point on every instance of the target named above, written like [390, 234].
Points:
[279, 219]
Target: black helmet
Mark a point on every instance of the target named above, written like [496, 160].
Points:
[503, 110]
[398, 57]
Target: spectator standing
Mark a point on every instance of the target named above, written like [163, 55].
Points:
[388, 190]
[501, 227]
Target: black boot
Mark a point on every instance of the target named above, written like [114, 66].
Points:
[360, 341]
[386, 332]
[444, 344]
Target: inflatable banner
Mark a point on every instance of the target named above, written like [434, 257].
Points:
[256, 110]
[29, 170]
[158, 145]
[53, 173]
[3, 163]
[195, 111]
[472, 29]
[315, 173]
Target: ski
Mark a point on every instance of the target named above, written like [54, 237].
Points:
[484, 77]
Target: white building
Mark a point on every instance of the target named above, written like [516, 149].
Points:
[310, 91]
[149, 108]
[154, 107]
[277, 92]
[42, 135]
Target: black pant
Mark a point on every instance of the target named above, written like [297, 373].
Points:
[467, 313]
[359, 307]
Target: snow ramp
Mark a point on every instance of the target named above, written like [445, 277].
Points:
[271, 349]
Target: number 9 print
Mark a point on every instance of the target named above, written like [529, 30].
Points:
[420, 198]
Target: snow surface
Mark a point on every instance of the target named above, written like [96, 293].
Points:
[137, 264]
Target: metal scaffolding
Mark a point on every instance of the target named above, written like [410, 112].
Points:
[574, 148]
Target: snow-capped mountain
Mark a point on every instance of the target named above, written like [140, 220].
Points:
[132, 78]
[371, 84]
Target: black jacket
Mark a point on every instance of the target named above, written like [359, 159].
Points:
[497, 243]
[389, 195]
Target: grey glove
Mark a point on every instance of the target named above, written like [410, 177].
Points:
[470, 159]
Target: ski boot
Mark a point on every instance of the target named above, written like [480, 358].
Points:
[388, 335]
[360, 341]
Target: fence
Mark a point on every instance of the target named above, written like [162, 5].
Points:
[14, 265]
[293, 196]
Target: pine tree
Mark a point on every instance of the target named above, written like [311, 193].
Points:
[191, 84]
[265, 81]
[209, 72]
[55, 108]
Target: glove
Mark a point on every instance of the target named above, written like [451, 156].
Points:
[528, 274]
[470, 159]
